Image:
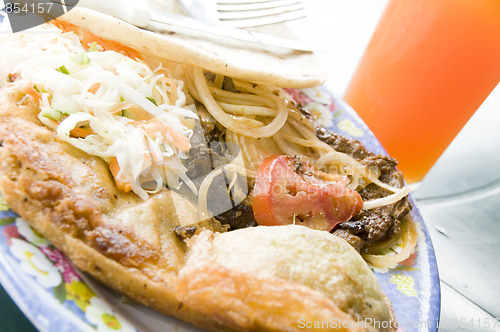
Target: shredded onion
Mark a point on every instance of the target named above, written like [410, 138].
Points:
[387, 200]
[409, 241]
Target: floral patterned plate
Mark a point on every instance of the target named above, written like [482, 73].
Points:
[57, 297]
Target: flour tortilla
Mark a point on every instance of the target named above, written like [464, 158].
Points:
[284, 68]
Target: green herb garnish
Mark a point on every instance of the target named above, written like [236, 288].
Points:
[81, 59]
[63, 70]
[152, 100]
[52, 114]
[93, 47]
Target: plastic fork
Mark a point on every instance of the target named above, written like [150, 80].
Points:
[244, 13]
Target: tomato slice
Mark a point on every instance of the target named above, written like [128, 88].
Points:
[289, 191]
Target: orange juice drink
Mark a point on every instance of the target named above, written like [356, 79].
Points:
[428, 67]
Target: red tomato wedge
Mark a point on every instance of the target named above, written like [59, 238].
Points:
[289, 191]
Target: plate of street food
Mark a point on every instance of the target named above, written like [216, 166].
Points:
[152, 181]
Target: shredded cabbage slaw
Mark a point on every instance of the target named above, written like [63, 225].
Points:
[108, 105]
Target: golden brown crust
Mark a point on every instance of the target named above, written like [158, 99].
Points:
[157, 293]
[254, 304]
[322, 272]
[250, 302]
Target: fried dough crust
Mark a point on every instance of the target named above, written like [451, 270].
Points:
[253, 302]
[249, 273]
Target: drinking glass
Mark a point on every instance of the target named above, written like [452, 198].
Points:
[428, 67]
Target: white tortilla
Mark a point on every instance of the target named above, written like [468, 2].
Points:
[274, 66]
